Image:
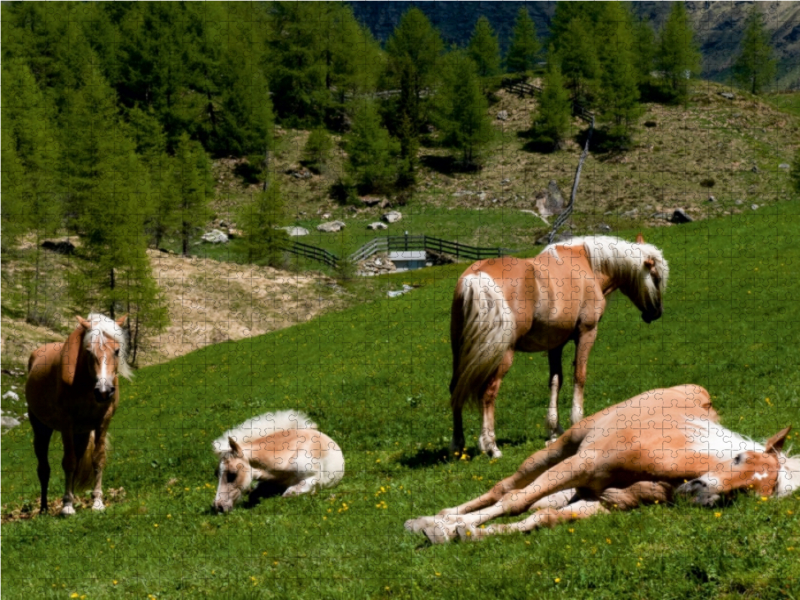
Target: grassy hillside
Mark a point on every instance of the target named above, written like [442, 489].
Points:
[375, 378]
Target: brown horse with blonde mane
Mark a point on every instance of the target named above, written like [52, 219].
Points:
[509, 304]
[644, 450]
[72, 387]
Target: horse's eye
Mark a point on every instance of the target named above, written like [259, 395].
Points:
[230, 476]
[116, 352]
[737, 459]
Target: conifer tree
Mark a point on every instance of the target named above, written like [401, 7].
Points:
[644, 50]
[317, 151]
[795, 172]
[754, 68]
[484, 49]
[371, 151]
[620, 91]
[414, 50]
[524, 48]
[678, 57]
[579, 63]
[462, 109]
[552, 120]
[194, 185]
[260, 220]
[15, 192]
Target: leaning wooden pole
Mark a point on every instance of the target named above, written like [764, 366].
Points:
[562, 218]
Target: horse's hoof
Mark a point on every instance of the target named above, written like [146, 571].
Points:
[418, 524]
[98, 505]
[68, 510]
[496, 453]
[438, 534]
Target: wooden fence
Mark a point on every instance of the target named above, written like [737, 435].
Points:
[522, 88]
[312, 252]
[398, 243]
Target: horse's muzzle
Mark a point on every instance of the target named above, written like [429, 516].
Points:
[652, 315]
[698, 492]
[104, 396]
[220, 508]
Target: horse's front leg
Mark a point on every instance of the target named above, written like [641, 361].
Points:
[556, 381]
[41, 443]
[98, 464]
[487, 441]
[74, 447]
[583, 347]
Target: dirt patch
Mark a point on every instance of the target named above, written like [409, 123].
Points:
[211, 302]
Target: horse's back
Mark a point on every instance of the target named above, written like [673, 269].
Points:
[648, 417]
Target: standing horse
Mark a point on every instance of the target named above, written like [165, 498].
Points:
[72, 388]
[538, 305]
[284, 447]
[644, 450]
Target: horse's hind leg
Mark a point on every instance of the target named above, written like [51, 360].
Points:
[487, 442]
[41, 442]
[556, 381]
[547, 517]
[582, 349]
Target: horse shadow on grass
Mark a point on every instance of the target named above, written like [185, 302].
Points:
[427, 457]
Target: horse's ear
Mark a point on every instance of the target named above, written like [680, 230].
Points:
[649, 263]
[121, 321]
[640, 239]
[71, 351]
[83, 322]
[775, 443]
[235, 448]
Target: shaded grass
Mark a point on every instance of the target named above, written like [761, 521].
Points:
[375, 378]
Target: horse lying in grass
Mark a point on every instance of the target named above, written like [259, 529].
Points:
[646, 449]
[72, 387]
[285, 448]
[504, 305]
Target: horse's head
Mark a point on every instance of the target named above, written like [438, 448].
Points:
[647, 281]
[235, 477]
[105, 345]
[758, 471]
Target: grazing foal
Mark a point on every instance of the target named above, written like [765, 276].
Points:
[72, 387]
[284, 447]
[507, 305]
[646, 449]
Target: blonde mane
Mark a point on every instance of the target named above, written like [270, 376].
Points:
[622, 261]
[262, 426]
[103, 325]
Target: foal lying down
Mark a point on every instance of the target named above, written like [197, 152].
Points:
[643, 450]
[283, 447]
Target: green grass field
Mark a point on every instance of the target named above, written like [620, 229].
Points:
[375, 379]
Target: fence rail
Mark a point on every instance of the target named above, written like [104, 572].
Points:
[398, 243]
[312, 252]
[522, 88]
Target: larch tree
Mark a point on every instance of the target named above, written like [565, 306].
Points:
[462, 109]
[554, 113]
[620, 90]
[754, 68]
[525, 47]
[678, 56]
[484, 49]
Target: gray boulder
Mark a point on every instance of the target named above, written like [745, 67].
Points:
[728, 95]
[295, 231]
[680, 216]
[215, 236]
[392, 216]
[377, 225]
[330, 226]
[502, 115]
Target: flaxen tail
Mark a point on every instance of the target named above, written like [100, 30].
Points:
[84, 475]
[487, 332]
